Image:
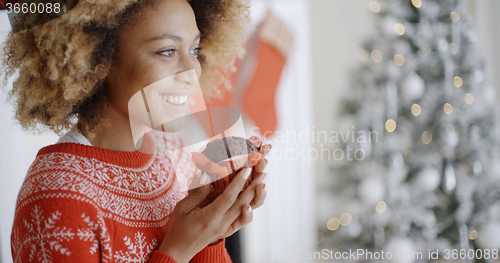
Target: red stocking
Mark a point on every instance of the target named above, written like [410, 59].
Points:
[273, 44]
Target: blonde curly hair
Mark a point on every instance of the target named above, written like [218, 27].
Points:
[63, 63]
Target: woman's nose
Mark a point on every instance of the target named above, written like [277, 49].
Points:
[187, 72]
[189, 77]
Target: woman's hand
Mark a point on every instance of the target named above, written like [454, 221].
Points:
[253, 197]
[191, 228]
[259, 178]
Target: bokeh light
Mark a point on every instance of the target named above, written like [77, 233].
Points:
[426, 50]
[400, 29]
[381, 206]
[457, 81]
[469, 98]
[376, 56]
[426, 137]
[333, 224]
[374, 6]
[453, 48]
[416, 109]
[417, 3]
[321, 238]
[399, 60]
[473, 234]
[345, 219]
[390, 125]
[409, 155]
[447, 108]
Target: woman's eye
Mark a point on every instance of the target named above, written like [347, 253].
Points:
[168, 53]
[196, 51]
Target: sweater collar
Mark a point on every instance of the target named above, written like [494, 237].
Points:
[127, 159]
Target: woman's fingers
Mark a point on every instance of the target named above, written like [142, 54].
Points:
[260, 166]
[247, 214]
[244, 219]
[195, 197]
[265, 149]
[247, 197]
[250, 193]
[226, 200]
[200, 179]
[228, 206]
[260, 197]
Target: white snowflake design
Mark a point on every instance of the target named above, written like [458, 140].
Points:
[138, 252]
[16, 245]
[43, 237]
[89, 234]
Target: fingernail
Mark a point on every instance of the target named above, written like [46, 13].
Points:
[204, 178]
[264, 177]
[249, 209]
[246, 173]
[264, 189]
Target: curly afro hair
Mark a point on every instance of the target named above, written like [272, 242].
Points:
[63, 63]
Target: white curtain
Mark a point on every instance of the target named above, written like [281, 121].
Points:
[287, 219]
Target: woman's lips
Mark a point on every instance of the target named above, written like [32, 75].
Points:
[175, 101]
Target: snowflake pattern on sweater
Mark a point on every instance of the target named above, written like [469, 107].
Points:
[80, 203]
[138, 251]
[44, 237]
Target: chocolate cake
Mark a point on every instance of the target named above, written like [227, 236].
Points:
[217, 150]
[223, 158]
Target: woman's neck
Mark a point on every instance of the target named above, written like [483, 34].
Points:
[120, 134]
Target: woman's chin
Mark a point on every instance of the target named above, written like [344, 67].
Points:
[172, 126]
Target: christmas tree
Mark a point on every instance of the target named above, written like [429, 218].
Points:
[429, 177]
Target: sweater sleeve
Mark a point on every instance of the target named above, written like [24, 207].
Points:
[160, 257]
[54, 228]
[210, 254]
[213, 254]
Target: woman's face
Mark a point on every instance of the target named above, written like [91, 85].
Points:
[157, 61]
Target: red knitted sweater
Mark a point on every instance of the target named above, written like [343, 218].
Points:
[81, 203]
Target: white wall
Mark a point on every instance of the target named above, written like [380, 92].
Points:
[484, 17]
[338, 28]
[17, 151]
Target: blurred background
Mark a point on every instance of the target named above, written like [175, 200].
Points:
[382, 116]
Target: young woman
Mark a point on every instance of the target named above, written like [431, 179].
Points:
[93, 197]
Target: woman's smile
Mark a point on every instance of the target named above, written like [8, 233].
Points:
[175, 101]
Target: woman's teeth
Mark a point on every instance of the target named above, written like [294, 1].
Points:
[176, 100]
